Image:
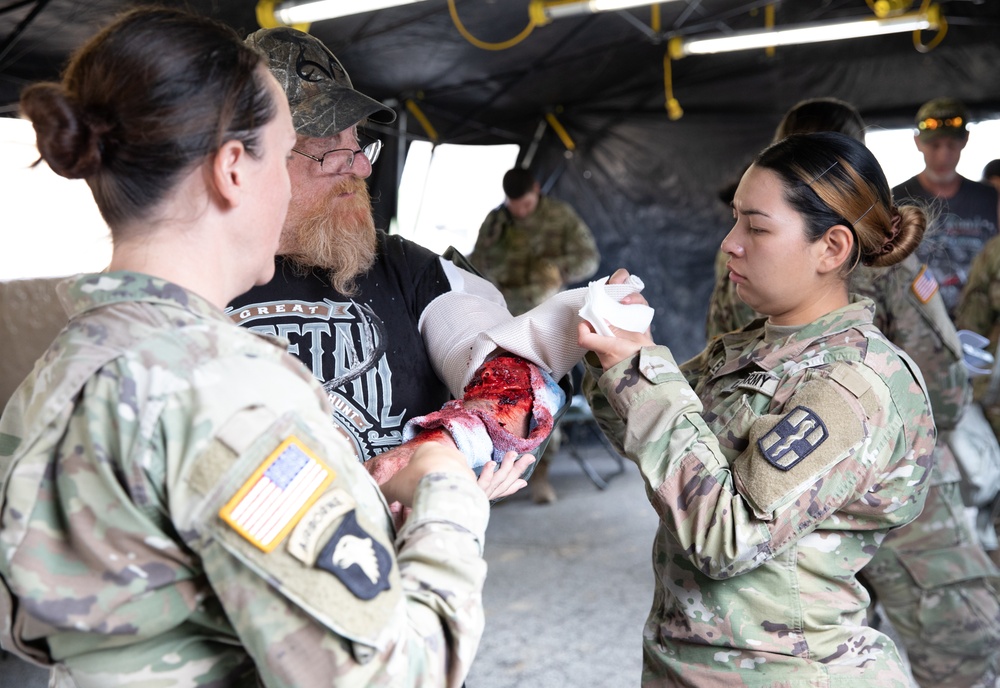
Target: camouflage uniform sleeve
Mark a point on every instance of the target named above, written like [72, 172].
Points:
[330, 597]
[604, 414]
[730, 518]
[579, 258]
[917, 322]
[979, 305]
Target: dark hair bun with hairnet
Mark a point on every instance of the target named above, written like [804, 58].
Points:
[906, 229]
[68, 140]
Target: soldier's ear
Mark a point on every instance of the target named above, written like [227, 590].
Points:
[834, 248]
[227, 172]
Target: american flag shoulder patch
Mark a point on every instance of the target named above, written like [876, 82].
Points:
[924, 285]
[268, 505]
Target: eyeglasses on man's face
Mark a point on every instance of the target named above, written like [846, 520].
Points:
[344, 157]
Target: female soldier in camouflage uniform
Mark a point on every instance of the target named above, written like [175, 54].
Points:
[779, 457]
[177, 508]
[933, 578]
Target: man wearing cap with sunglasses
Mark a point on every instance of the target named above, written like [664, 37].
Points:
[967, 211]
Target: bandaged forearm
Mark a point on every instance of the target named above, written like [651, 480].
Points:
[463, 328]
[490, 418]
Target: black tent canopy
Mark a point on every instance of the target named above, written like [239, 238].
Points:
[644, 182]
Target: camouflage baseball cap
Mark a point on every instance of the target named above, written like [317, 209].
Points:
[322, 99]
[942, 117]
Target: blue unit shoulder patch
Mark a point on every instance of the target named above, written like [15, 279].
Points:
[357, 559]
[794, 438]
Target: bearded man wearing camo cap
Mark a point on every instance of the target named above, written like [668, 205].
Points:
[384, 324]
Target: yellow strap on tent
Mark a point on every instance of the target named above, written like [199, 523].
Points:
[769, 24]
[533, 12]
[673, 106]
[937, 19]
[560, 131]
[418, 114]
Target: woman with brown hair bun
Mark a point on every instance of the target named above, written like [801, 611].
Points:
[780, 457]
[176, 507]
[932, 577]
[725, 310]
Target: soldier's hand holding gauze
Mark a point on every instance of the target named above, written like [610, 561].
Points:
[600, 309]
[468, 327]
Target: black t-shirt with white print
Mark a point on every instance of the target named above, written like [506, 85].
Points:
[365, 350]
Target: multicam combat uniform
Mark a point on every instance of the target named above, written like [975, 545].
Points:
[533, 258]
[775, 479]
[932, 576]
[979, 310]
[178, 510]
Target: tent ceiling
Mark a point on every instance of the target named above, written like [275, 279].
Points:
[645, 184]
[603, 63]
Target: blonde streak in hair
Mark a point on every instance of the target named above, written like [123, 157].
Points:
[853, 198]
[870, 217]
[876, 226]
[836, 194]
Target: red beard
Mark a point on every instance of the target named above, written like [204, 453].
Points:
[335, 234]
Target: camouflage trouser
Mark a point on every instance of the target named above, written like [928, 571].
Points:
[942, 594]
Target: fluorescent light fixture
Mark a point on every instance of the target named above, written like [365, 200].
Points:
[806, 33]
[557, 9]
[289, 13]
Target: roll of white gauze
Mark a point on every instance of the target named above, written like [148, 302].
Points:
[599, 309]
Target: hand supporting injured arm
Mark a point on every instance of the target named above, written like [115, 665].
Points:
[507, 409]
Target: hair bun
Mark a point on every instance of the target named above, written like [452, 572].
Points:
[68, 140]
[906, 229]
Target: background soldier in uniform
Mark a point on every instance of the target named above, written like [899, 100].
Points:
[532, 247]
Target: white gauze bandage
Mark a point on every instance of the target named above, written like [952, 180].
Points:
[600, 310]
[464, 326]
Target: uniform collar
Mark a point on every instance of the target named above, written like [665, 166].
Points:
[88, 292]
[747, 347]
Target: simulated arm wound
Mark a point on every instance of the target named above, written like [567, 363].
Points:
[509, 405]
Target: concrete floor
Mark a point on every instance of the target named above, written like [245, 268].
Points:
[569, 585]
